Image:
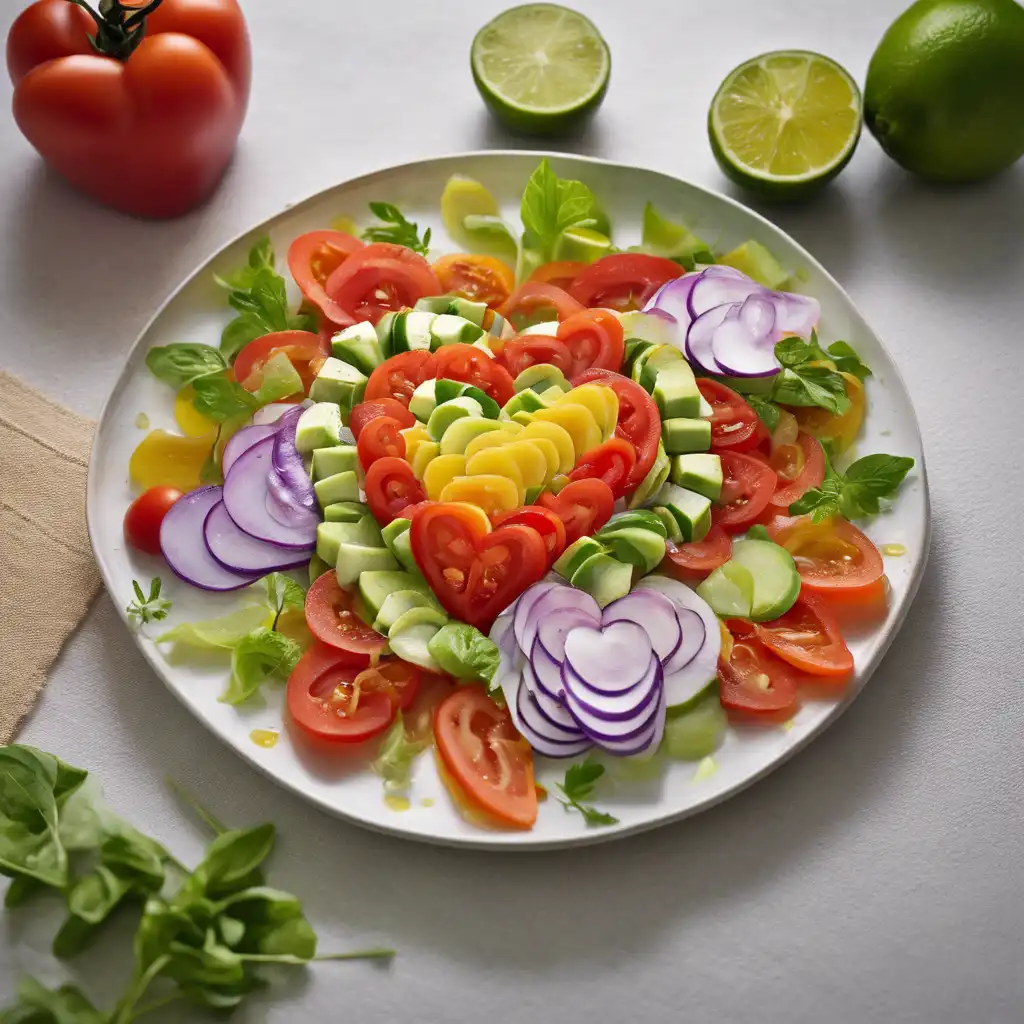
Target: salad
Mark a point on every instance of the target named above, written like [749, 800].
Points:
[544, 498]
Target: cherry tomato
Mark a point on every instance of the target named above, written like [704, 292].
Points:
[366, 411]
[735, 427]
[753, 682]
[639, 419]
[471, 366]
[584, 506]
[698, 559]
[380, 278]
[479, 278]
[800, 467]
[543, 520]
[332, 621]
[593, 338]
[808, 637]
[535, 302]
[312, 258]
[144, 516]
[305, 350]
[475, 572]
[485, 759]
[612, 462]
[561, 273]
[747, 487]
[398, 377]
[380, 439]
[390, 487]
[528, 350]
[624, 280]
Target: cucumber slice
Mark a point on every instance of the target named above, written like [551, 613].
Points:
[392, 530]
[605, 578]
[411, 331]
[661, 357]
[338, 459]
[539, 377]
[445, 415]
[397, 604]
[654, 481]
[636, 545]
[337, 488]
[729, 590]
[410, 634]
[640, 517]
[424, 400]
[672, 531]
[449, 329]
[699, 472]
[696, 733]
[359, 346]
[375, 585]
[776, 580]
[461, 432]
[692, 511]
[434, 304]
[576, 554]
[396, 537]
[317, 567]
[383, 331]
[355, 559]
[468, 309]
[329, 537]
[346, 512]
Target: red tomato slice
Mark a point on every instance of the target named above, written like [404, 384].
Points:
[332, 621]
[753, 682]
[366, 411]
[485, 758]
[735, 426]
[475, 277]
[543, 520]
[584, 506]
[800, 467]
[521, 353]
[144, 516]
[639, 419]
[624, 280]
[808, 637]
[612, 462]
[471, 366]
[312, 258]
[305, 350]
[698, 559]
[561, 273]
[398, 377]
[474, 574]
[535, 302]
[593, 338]
[747, 487]
[380, 439]
[381, 278]
[390, 488]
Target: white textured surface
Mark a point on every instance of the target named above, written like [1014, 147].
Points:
[878, 876]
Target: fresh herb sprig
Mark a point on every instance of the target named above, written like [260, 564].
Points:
[396, 229]
[550, 207]
[856, 493]
[144, 610]
[578, 786]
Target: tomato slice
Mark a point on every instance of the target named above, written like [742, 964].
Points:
[332, 621]
[381, 278]
[391, 487]
[584, 506]
[485, 758]
[380, 439]
[593, 338]
[612, 462]
[475, 572]
[800, 467]
[753, 682]
[624, 280]
[560, 273]
[735, 427]
[366, 411]
[144, 516]
[808, 637]
[305, 350]
[312, 258]
[475, 277]
[698, 559]
[639, 419]
[543, 520]
[471, 366]
[536, 302]
[521, 353]
[747, 487]
[398, 377]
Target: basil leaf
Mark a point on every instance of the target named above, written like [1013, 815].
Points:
[399, 230]
[180, 364]
[550, 206]
[847, 360]
[223, 633]
[767, 411]
[220, 399]
[232, 861]
[261, 257]
[283, 594]
[40, 1005]
[870, 479]
[91, 900]
[239, 332]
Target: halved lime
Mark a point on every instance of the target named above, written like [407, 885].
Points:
[785, 123]
[541, 68]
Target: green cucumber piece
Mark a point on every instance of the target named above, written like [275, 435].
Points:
[640, 517]
[410, 634]
[525, 401]
[461, 432]
[445, 415]
[654, 481]
[699, 472]
[337, 488]
[539, 377]
[468, 309]
[396, 604]
[450, 329]
[576, 554]
[605, 578]
[692, 511]
[446, 390]
[424, 400]
[317, 567]
[698, 732]
[337, 459]
[410, 331]
[434, 304]
[659, 359]
[330, 536]
[754, 260]
[675, 391]
[383, 332]
[685, 435]
[359, 346]
[776, 580]
[375, 585]
[355, 559]
[338, 383]
[729, 590]
[636, 545]
[346, 512]
[396, 537]
[672, 531]
[319, 426]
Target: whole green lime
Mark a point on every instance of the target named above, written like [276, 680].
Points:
[945, 88]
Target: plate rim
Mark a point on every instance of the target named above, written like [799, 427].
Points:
[498, 840]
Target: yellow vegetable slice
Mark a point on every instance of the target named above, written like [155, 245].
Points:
[491, 493]
[426, 452]
[591, 397]
[841, 430]
[532, 462]
[191, 422]
[163, 459]
[559, 437]
[497, 462]
[495, 439]
[547, 448]
[577, 421]
[414, 437]
[612, 401]
[440, 472]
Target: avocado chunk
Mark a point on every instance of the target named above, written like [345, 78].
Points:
[690, 510]
[646, 327]
[705, 412]
[445, 415]
[451, 329]
[383, 332]
[355, 559]
[462, 431]
[411, 331]
[340, 383]
[675, 391]
[358, 346]
[699, 472]
[424, 400]
[638, 546]
[375, 585]
[729, 590]
[345, 512]
[329, 461]
[318, 427]
[397, 603]
[776, 580]
[658, 359]
[576, 554]
[605, 578]
[653, 482]
[682, 435]
[412, 639]
[337, 488]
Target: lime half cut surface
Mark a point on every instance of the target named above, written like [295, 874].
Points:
[785, 123]
[541, 68]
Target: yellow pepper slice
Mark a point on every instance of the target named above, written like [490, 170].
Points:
[591, 397]
[440, 472]
[163, 459]
[490, 493]
[532, 463]
[191, 422]
[841, 430]
[559, 437]
[497, 462]
[547, 449]
[577, 421]
[414, 437]
[426, 452]
[494, 439]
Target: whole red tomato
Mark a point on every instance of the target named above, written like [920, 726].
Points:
[146, 117]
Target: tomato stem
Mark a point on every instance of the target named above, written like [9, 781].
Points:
[119, 29]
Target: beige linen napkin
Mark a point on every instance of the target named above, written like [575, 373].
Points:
[48, 575]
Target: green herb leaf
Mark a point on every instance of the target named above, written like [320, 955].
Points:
[91, 900]
[767, 411]
[550, 206]
[578, 786]
[856, 493]
[37, 1004]
[464, 652]
[283, 594]
[218, 634]
[398, 230]
[143, 609]
[810, 386]
[396, 755]
[220, 399]
[232, 863]
[847, 360]
[261, 257]
[180, 364]
[261, 656]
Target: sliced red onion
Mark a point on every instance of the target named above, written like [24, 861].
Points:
[600, 726]
[649, 739]
[717, 289]
[742, 353]
[288, 464]
[243, 441]
[631, 706]
[673, 298]
[795, 314]
[654, 613]
[610, 660]
[758, 314]
[551, 707]
[273, 412]
[524, 622]
[238, 552]
[694, 634]
[245, 498]
[558, 598]
[559, 724]
[513, 687]
[284, 507]
[547, 672]
[185, 550]
[700, 336]
[553, 629]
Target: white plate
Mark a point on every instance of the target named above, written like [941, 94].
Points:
[197, 312]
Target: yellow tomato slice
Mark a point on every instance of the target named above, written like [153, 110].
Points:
[547, 449]
[414, 437]
[532, 462]
[490, 493]
[492, 439]
[440, 472]
[426, 452]
[577, 421]
[163, 459]
[591, 397]
[559, 437]
[497, 462]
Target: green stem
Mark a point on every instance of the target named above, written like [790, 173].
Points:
[123, 1012]
[201, 812]
[158, 1004]
[118, 32]
[362, 954]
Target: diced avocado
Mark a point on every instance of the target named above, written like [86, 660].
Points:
[576, 554]
[675, 391]
[445, 415]
[411, 331]
[754, 260]
[397, 603]
[639, 360]
[525, 401]
[374, 587]
[355, 559]
[434, 304]
[635, 349]
[682, 435]
[692, 511]
[317, 567]
[424, 400]
[705, 412]
[672, 531]
[359, 346]
[340, 487]
[449, 329]
[658, 359]
[539, 377]
[345, 512]
[776, 580]
[637, 546]
[411, 640]
[319, 426]
[699, 472]
[469, 310]
[340, 383]
[383, 332]
[640, 518]
[461, 432]
[604, 578]
[339, 459]
[637, 326]
[654, 481]
[429, 613]
[548, 328]
[729, 590]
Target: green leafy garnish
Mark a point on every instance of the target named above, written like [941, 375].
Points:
[801, 383]
[260, 656]
[847, 360]
[464, 652]
[578, 786]
[283, 594]
[767, 411]
[181, 363]
[550, 206]
[143, 609]
[219, 634]
[261, 257]
[220, 399]
[38, 1004]
[396, 229]
[857, 492]
[396, 755]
